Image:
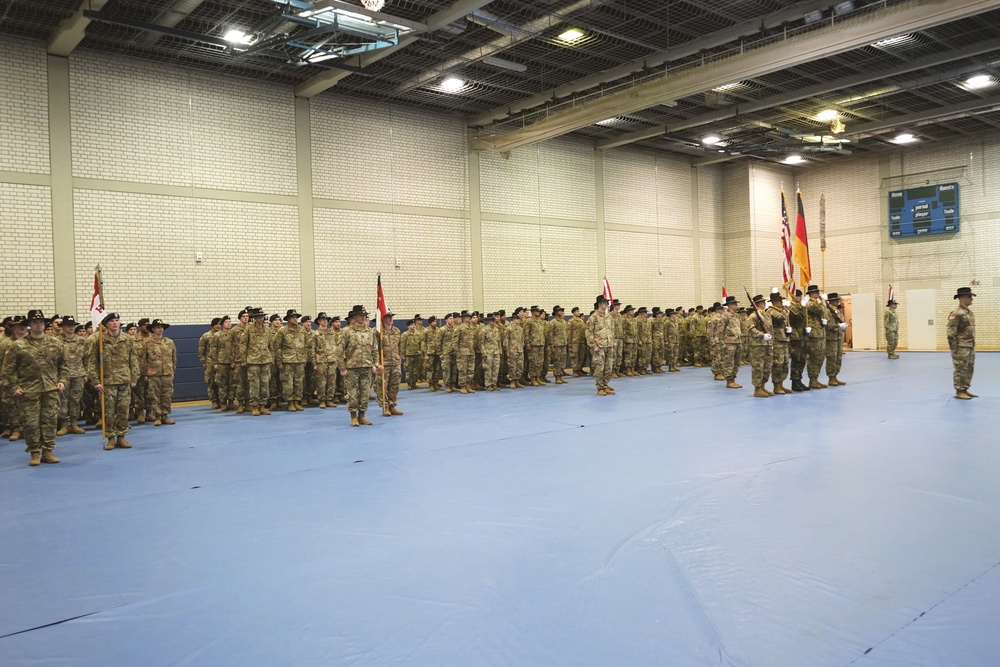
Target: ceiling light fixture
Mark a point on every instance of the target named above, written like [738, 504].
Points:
[607, 122]
[712, 140]
[571, 35]
[978, 81]
[843, 8]
[728, 86]
[793, 159]
[813, 16]
[236, 36]
[904, 138]
[452, 84]
[898, 40]
[373, 5]
[827, 115]
[505, 64]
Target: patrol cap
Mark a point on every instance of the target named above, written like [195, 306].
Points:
[158, 323]
[109, 317]
[322, 316]
[36, 314]
[963, 291]
[69, 321]
[216, 320]
[292, 313]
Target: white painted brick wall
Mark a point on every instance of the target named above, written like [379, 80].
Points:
[26, 236]
[24, 128]
[434, 276]
[146, 245]
[146, 122]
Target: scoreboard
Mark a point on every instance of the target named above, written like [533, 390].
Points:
[929, 209]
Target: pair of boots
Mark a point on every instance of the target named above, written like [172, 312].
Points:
[816, 384]
[965, 395]
[834, 381]
[761, 392]
[37, 458]
[559, 380]
[295, 406]
[70, 426]
[159, 420]
[392, 411]
[470, 389]
[779, 388]
[358, 418]
[117, 441]
[673, 369]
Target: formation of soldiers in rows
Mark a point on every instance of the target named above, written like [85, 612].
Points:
[261, 363]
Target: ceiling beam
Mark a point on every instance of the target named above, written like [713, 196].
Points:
[72, 30]
[326, 80]
[845, 35]
[711, 41]
[913, 119]
[918, 64]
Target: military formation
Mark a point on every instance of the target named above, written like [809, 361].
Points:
[56, 374]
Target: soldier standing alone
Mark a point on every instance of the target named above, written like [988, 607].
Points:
[891, 322]
[360, 360]
[601, 339]
[961, 333]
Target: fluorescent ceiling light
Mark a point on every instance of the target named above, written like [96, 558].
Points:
[793, 159]
[813, 16]
[712, 140]
[505, 64]
[828, 114]
[235, 36]
[728, 86]
[978, 81]
[898, 40]
[571, 35]
[608, 122]
[904, 138]
[452, 84]
[843, 8]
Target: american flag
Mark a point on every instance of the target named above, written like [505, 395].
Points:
[787, 278]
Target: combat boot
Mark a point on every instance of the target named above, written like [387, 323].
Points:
[110, 444]
[156, 421]
[760, 392]
[215, 405]
[463, 390]
[225, 407]
[674, 369]
[354, 418]
[362, 420]
[559, 380]
[731, 384]
[601, 392]
[255, 411]
[720, 376]
[167, 420]
[964, 395]
[840, 383]
[798, 386]
[894, 356]
[816, 384]
[140, 417]
[447, 389]
[15, 435]
[63, 428]
[609, 391]
[264, 410]
[322, 405]
[969, 393]
[36, 459]
[241, 409]
[5, 434]
[472, 389]
[49, 457]
[122, 443]
[393, 411]
[778, 389]
[75, 429]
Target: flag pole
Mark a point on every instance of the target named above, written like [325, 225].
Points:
[381, 348]
[100, 350]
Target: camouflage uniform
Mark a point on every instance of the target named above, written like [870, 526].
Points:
[631, 343]
[490, 344]
[514, 345]
[699, 340]
[672, 341]
[534, 335]
[290, 347]
[258, 358]
[731, 356]
[961, 332]
[465, 353]
[780, 330]
[157, 361]
[75, 349]
[392, 368]
[618, 359]
[449, 342]
[121, 373]
[9, 419]
[411, 343]
[360, 356]
[657, 325]
[816, 313]
[204, 348]
[834, 345]
[221, 353]
[329, 359]
[644, 340]
[576, 333]
[713, 329]
[761, 351]
[36, 366]
[891, 322]
[559, 332]
[430, 349]
[601, 340]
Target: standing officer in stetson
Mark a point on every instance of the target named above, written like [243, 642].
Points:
[601, 339]
[560, 339]
[393, 365]
[360, 360]
[290, 350]
[120, 374]
[835, 328]
[961, 333]
[891, 322]
[34, 371]
[731, 333]
[781, 329]
[157, 361]
[815, 329]
[255, 346]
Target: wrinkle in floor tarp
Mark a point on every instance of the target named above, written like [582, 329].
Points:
[675, 523]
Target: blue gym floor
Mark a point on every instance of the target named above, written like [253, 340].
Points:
[676, 523]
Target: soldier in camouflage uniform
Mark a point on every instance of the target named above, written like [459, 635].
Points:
[490, 345]
[449, 343]
[629, 347]
[290, 349]
[392, 361]
[644, 341]
[730, 334]
[34, 371]
[760, 336]
[514, 346]
[140, 397]
[308, 371]
[672, 340]
[360, 360]
[157, 361]
[19, 329]
[699, 338]
[238, 378]
[430, 349]
[500, 317]
[559, 334]
[836, 325]
[6, 337]
[619, 359]
[411, 343]
[75, 349]
[601, 340]
[780, 330]
[656, 327]
[120, 373]
[465, 353]
[576, 333]
[816, 321]
[797, 341]
[221, 354]
[204, 349]
[891, 322]
[274, 327]
[713, 329]
[255, 345]
[327, 357]
[961, 333]
[534, 342]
